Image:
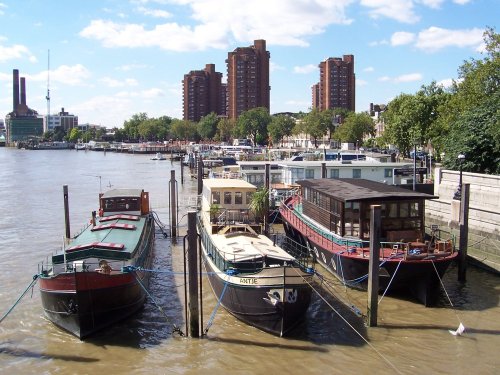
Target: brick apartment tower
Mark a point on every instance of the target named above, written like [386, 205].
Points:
[247, 78]
[202, 93]
[336, 84]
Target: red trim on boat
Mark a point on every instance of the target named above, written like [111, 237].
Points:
[104, 245]
[114, 226]
[118, 217]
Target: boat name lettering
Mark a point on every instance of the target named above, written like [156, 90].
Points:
[248, 281]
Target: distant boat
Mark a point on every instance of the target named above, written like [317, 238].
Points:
[254, 279]
[158, 156]
[332, 218]
[81, 146]
[90, 285]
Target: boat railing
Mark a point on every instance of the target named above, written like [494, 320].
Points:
[328, 240]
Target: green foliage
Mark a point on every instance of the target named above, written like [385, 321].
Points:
[183, 129]
[207, 127]
[281, 126]
[259, 203]
[225, 129]
[74, 135]
[355, 127]
[253, 123]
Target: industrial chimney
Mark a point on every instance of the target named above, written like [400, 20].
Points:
[15, 85]
[23, 91]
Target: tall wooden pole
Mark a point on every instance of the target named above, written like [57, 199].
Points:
[323, 170]
[194, 309]
[66, 211]
[266, 203]
[173, 204]
[373, 268]
[464, 232]
[200, 175]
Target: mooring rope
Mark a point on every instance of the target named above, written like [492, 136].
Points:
[390, 281]
[356, 331]
[212, 316]
[32, 284]
[175, 328]
[447, 296]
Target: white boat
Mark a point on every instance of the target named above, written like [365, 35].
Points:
[254, 279]
[158, 156]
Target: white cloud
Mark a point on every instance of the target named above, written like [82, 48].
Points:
[17, 51]
[2, 7]
[401, 38]
[399, 10]
[361, 82]
[157, 13]
[378, 43]
[434, 4]
[283, 23]
[116, 83]
[412, 77]
[369, 69]
[461, 2]
[445, 83]
[305, 69]
[69, 75]
[273, 67]
[128, 67]
[436, 38]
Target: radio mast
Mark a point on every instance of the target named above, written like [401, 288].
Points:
[48, 89]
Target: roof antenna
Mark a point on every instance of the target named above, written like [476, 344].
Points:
[48, 90]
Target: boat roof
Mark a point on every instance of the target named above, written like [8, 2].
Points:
[218, 183]
[357, 189]
[129, 192]
[110, 239]
[242, 246]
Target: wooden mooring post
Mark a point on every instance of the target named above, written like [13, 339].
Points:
[373, 268]
[464, 232]
[66, 212]
[194, 309]
[266, 204]
[173, 205]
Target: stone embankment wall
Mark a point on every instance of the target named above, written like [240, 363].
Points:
[484, 215]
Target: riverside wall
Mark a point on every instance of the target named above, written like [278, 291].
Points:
[484, 217]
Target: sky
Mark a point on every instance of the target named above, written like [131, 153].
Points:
[111, 59]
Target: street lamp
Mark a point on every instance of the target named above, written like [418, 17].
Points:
[458, 193]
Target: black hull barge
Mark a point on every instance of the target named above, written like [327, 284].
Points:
[331, 217]
[94, 283]
[254, 280]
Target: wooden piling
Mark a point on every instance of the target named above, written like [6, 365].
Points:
[66, 212]
[323, 169]
[194, 310]
[173, 205]
[464, 232]
[266, 204]
[373, 270]
[200, 175]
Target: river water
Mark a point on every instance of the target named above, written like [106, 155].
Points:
[409, 339]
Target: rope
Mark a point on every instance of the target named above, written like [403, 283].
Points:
[212, 316]
[175, 328]
[32, 284]
[390, 281]
[358, 333]
[447, 296]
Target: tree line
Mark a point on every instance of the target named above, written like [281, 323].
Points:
[462, 119]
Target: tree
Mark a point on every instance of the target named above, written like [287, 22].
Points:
[281, 126]
[253, 123]
[131, 126]
[74, 135]
[355, 127]
[259, 203]
[207, 127]
[315, 123]
[183, 129]
[225, 129]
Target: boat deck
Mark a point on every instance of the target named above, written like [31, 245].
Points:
[355, 248]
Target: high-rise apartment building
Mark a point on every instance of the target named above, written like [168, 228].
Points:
[202, 93]
[336, 87]
[247, 78]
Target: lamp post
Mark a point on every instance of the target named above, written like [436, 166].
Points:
[458, 193]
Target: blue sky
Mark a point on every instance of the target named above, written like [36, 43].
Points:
[110, 59]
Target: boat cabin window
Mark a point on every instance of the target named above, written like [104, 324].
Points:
[215, 196]
[122, 204]
[238, 197]
[334, 173]
[227, 197]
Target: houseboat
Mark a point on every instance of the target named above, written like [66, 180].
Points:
[332, 218]
[254, 279]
